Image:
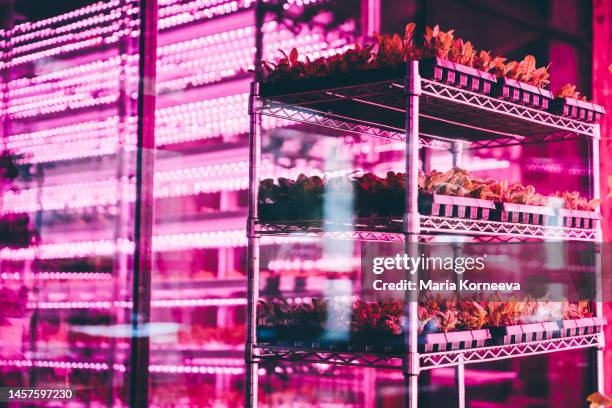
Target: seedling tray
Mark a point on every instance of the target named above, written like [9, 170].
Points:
[522, 93]
[459, 207]
[577, 109]
[524, 214]
[458, 340]
[577, 218]
[507, 334]
[460, 76]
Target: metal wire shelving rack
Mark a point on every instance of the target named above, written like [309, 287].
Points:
[423, 114]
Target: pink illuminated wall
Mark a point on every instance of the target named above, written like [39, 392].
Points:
[69, 111]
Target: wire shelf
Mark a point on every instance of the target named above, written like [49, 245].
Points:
[390, 230]
[378, 109]
[495, 353]
[266, 353]
[375, 103]
[427, 361]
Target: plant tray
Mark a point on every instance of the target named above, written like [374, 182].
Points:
[459, 340]
[568, 328]
[522, 93]
[534, 331]
[586, 325]
[582, 326]
[433, 342]
[577, 218]
[481, 337]
[459, 207]
[299, 337]
[524, 214]
[508, 334]
[283, 211]
[288, 87]
[321, 339]
[460, 76]
[577, 109]
[600, 322]
[589, 325]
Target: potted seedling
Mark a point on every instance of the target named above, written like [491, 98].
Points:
[455, 62]
[575, 211]
[473, 317]
[523, 83]
[454, 193]
[570, 103]
[504, 319]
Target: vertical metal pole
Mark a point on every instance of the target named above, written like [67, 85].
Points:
[253, 249]
[252, 369]
[596, 194]
[460, 367]
[460, 384]
[457, 155]
[412, 88]
[122, 218]
[143, 228]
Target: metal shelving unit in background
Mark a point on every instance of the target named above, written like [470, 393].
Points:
[424, 114]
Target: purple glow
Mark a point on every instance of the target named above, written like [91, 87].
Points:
[58, 276]
[227, 366]
[121, 304]
[64, 107]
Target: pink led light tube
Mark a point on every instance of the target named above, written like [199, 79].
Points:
[81, 365]
[85, 89]
[161, 303]
[78, 74]
[92, 8]
[233, 367]
[229, 367]
[323, 264]
[161, 243]
[81, 34]
[197, 10]
[98, 276]
[124, 304]
[42, 36]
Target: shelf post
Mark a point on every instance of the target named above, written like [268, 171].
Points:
[460, 384]
[457, 157]
[255, 136]
[457, 153]
[599, 368]
[412, 88]
[253, 246]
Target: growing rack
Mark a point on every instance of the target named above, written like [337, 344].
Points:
[422, 113]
